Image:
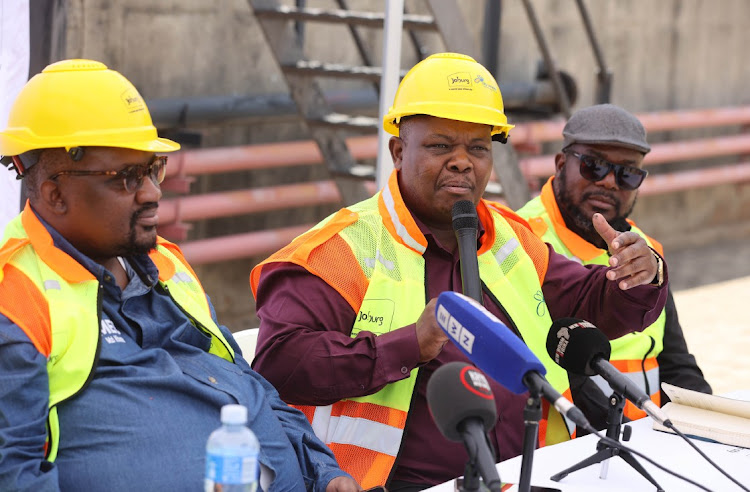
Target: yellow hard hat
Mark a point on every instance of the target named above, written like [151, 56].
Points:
[78, 103]
[452, 86]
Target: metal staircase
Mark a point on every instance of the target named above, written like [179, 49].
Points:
[280, 25]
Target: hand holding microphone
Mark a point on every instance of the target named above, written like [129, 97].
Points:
[430, 337]
[497, 351]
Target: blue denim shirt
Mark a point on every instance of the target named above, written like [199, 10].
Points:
[143, 421]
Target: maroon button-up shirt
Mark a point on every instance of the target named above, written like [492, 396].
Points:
[305, 349]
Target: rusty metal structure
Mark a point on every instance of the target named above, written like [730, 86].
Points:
[347, 143]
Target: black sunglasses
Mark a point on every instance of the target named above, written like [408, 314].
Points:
[595, 169]
[132, 176]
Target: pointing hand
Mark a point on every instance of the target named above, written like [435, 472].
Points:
[632, 261]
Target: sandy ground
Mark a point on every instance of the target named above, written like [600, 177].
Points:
[717, 332]
[711, 286]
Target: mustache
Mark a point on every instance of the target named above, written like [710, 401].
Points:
[145, 208]
[450, 181]
[590, 194]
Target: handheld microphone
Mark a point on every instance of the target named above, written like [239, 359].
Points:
[497, 351]
[463, 407]
[580, 348]
[465, 224]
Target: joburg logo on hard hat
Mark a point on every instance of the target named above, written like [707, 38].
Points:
[459, 81]
[133, 101]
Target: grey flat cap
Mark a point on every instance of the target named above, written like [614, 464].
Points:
[605, 124]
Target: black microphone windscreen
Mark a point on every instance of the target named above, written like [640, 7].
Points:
[574, 343]
[457, 391]
[464, 215]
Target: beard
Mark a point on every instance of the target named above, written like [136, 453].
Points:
[139, 245]
[580, 223]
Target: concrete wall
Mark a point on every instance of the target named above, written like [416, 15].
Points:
[664, 55]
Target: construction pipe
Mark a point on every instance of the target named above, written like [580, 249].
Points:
[260, 243]
[186, 112]
[238, 246]
[697, 118]
[544, 165]
[262, 156]
[175, 212]
[551, 130]
[248, 201]
[182, 112]
[240, 202]
[697, 178]
[306, 152]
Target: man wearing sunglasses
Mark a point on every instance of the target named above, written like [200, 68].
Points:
[599, 170]
[114, 367]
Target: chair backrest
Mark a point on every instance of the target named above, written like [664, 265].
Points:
[247, 339]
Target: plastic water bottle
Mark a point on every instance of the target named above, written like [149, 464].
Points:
[232, 454]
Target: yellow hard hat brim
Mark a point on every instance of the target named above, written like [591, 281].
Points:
[482, 116]
[11, 144]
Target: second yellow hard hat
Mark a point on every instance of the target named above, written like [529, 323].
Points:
[82, 103]
[452, 86]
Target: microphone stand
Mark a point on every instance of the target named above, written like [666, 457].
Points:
[606, 451]
[471, 481]
[532, 413]
[480, 472]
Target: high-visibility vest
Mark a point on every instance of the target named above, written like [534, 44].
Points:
[56, 302]
[371, 253]
[633, 354]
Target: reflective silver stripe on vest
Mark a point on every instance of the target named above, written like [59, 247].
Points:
[370, 262]
[400, 229]
[636, 377]
[182, 277]
[506, 249]
[359, 432]
[51, 284]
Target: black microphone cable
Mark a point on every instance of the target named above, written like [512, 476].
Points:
[578, 345]
[669, 425]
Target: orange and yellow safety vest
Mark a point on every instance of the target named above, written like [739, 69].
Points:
[371, 253]
[633, 354]
[55, 301]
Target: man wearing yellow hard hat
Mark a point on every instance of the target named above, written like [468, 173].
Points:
[348, 331]
[114, 366]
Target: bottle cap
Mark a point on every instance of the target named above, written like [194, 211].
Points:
[233, 414]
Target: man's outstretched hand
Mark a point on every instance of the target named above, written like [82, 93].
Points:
[632, 261]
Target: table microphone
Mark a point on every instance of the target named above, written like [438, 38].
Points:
[580, 348]
[465, 224]
[463, 407]
[497, 351]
